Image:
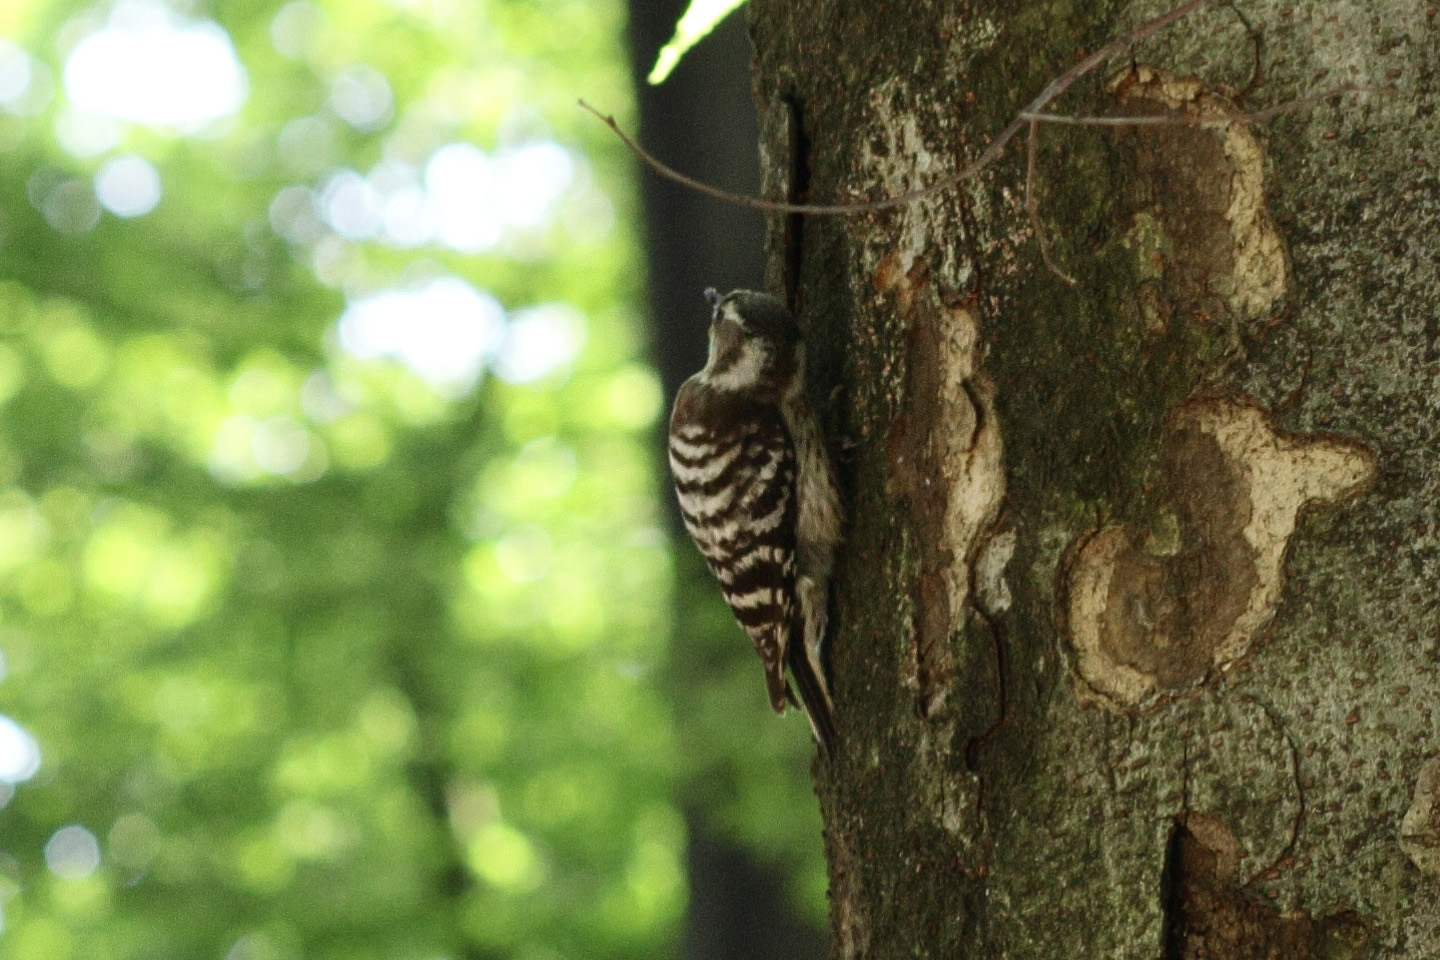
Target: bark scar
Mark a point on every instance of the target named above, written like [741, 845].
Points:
[1225, 251]
[1150, 617]
[1420, 830]
[946, 464]
[1209, 916]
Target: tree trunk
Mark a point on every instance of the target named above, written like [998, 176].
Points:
[1137, 650]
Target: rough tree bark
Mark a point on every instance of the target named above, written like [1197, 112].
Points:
[1138, 649]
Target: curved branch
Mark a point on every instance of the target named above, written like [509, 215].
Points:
[988, 156]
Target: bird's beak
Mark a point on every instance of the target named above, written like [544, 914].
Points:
[712, 296]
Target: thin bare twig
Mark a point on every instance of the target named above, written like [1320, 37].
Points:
[988, 156]
[1173, 120]
[1032, 138]
[1035, 119]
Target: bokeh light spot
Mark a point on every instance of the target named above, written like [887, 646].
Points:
[15, 73]
[19, 752]
[311, 831]
[45, 588]
[23, 530]
[323, 400]
[361, 97]
[128, 186]
[476, 196]
[145, 68]
[296, 29]
[360, 441]
[410, 217]
[280, 445]
[255, 946]
[72, 852]
[459, 180]
[25, 83]
[12, 373]
[531, 182]
[351, 205]
[308, 145]
[524, 554]
[505, 857]
[74, 355]
[443, 330]
[540, 341]
[84, 134]
[544, 469]
[70, 207]
[293, 215]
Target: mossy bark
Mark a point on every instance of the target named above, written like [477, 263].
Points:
[1138, 645]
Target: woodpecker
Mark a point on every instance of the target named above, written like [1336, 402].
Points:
[757, 492]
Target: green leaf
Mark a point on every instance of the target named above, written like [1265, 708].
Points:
[699, 19]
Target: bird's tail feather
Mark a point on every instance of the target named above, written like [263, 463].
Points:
[812, 699]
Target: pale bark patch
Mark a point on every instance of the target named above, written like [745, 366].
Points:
[946, 463]
[1224, 241]
[1149, 620]
[897, 157]
[1420, 830]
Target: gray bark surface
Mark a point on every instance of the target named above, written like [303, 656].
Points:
[1137, 649]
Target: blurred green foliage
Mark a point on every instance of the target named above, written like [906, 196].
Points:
[332, 647]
